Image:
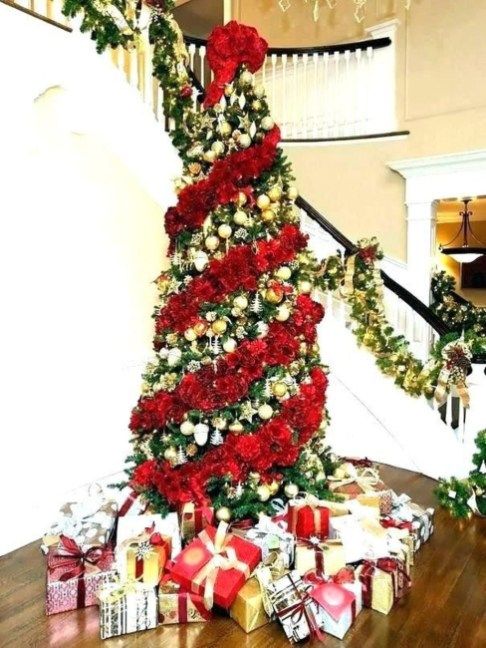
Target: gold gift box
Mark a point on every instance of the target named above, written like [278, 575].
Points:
[333, 557]
[382, 590]
[248, 610]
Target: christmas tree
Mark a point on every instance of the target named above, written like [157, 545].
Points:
[232, 409]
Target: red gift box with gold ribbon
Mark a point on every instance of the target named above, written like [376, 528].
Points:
[194, 519]
[215, 565]
[307, 518]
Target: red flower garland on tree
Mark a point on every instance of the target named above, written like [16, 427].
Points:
[228, 48]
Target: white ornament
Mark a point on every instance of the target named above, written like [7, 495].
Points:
[163, 353]
[265, 411]
[211, 243]
[224, 231]
[283, 313]
[262, 328]
[240, 217]
[201, 260]
[216, 438]
[241, 302]
[229, 345]
[244, 141]
[174, 357]
[201, 433]
[267, 123]
[187, 428]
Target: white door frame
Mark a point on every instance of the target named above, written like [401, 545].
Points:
[429, 179]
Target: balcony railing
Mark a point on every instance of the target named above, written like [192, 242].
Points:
[324, 93]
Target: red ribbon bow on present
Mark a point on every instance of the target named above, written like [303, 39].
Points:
[392, 566]
[302, 608]
[68, 560]
[390, 523]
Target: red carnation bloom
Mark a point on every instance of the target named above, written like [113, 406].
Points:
[228, 48]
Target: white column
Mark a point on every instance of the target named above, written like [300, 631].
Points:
[421, 222]
[227, 11]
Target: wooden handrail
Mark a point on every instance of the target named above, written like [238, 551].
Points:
[373, 43]
[34, 14]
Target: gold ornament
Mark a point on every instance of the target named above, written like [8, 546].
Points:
[229, 89]
[209, 156]
[219, 423]
[223, 514]
[305, 287]
[200, 328]
[274, 486]
[275, 193]
[240, 217]
[225, 129]
[224, 231]
[187, 428]
[191, 450]
[194, 168]
[268, 215]
[219, 326]
[246, 78]
[284, 273]
[241, 302]
[190, 335]
[283, 313]
[244, 141]
[236, 427]
[259, 91]
[242, 198]
[279, 389]
[292, 193]
[267, 123]
[291, 490]
[170, 454]
[229, 345]
[256, 105]
[263, 201]
[265, 411]
[212, 243]
[218, 147]
[273, 296]
[263, 492]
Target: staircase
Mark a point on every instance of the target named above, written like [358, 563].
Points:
[370, 416]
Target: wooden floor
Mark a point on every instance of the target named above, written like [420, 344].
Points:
[446, 607]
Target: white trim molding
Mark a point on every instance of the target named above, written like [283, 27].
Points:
[429, 179]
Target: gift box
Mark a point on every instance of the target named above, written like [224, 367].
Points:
[248, 610]
[194, 519]
[131, 526]
[361, 538]
[126, 607]
[307, 517]
[383, 582]
[89, 522]
[144, 557]
[420, 520]
[74, 575]
[216, 564]
[364, 484]
[270, 537]
[178, 606]
[337, 608]
[326, 558]
[295, 609]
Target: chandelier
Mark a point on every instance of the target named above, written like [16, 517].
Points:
[465, 253]
[359, 7]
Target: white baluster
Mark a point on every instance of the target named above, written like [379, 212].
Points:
[315, 94]
[264, 71]
[347, 95]
[148, 94]
[368, 126]
[202, 56]
[274, 83]
[337, 96]
[326, 122]
[305, 96]
[284, 95]
[295, 96]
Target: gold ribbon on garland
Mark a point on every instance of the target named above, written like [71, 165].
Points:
[457, 357]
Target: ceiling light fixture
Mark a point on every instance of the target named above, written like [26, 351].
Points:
[465, 253]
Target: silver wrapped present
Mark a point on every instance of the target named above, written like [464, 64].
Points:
[126, 607]
[270, 537]
[294, 608]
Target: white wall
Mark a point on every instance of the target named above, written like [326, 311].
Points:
[84, 174]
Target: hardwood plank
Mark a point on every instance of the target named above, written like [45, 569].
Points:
[446, 607]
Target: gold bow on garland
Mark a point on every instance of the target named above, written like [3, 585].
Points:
[457, 363]
[359, 7]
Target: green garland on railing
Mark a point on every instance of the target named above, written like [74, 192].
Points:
[458, 316]
[360, 285]
[463, 497]
[114, 23]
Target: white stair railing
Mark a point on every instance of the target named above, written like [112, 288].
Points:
[325, 92]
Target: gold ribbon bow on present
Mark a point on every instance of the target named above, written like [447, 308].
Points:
[112, 592]
[457, 362]
[366, 478]
[223, 557]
